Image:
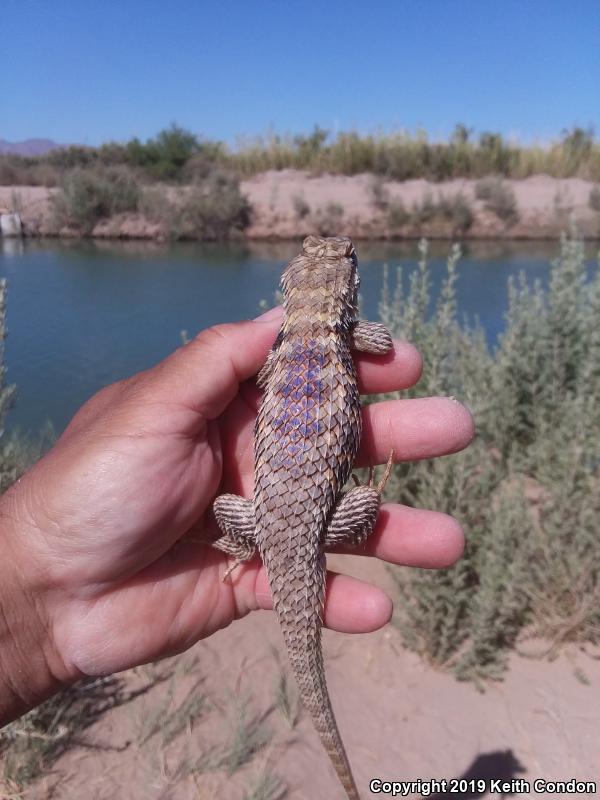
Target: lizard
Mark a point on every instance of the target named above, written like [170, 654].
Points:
[306, 438]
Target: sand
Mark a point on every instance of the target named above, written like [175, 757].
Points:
[290, 203]
[400, 719]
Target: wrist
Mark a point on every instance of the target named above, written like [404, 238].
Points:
[31, 669]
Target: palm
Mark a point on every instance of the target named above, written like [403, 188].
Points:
[127, 493]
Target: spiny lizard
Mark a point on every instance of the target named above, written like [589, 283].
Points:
[306, 439]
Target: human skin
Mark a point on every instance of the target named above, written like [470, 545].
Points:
[106, 561]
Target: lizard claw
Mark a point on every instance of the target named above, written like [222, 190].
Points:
[230, 569]
[386, 474]
[371, 473]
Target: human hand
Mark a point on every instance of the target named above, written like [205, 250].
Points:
[100, 536]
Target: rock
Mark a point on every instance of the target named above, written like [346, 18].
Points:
[10, 225]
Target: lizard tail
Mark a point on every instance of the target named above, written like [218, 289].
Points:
[306, 659]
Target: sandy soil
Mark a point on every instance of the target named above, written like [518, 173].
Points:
[544, 205]
[400, 719]
[289, 204]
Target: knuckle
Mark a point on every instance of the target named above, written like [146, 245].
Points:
[216, 336]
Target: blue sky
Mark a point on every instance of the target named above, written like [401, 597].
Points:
[93, 71]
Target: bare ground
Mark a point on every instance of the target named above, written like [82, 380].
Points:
[287, 204]
[400, 719]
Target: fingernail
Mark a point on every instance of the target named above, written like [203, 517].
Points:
[269, 315]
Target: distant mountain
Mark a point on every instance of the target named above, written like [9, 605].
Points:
[30, 147]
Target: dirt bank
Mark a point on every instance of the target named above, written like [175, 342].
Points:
[288, 203]
[400, 720]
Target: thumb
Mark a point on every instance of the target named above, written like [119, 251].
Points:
[205, 374]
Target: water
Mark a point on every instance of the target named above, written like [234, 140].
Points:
[83, 314]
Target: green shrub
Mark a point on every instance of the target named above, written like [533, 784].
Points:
[87, 196]
[454, 209]
[499, 198]
[211, 209]
[527, 490]
[165, 156]
[329, 220]
[301, 207]
[176, 154]
[425, 211]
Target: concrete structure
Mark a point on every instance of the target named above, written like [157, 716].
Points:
[10, 225]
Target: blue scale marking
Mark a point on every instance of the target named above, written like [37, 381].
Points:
[302, 392]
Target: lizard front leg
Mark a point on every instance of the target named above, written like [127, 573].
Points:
[267, 368]
[235, 517]
[371, 337]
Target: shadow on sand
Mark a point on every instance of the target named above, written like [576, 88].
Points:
[501, 765]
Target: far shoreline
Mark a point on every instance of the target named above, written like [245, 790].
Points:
[285, 205]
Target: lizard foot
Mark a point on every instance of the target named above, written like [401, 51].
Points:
[235, 517]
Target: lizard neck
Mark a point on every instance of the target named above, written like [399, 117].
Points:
[320, 297]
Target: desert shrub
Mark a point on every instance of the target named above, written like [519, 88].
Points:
[527, 490]
[86, 196]
[594, 198]
[300, 206]
[21, 171]
[176, 154]
[394, 211]
[498, 197]
[424, 211]
[207, 157]
[164, 156]
[72, 157]
[380, 195]
[454, 209]
[328, 220]
[156, 204]
[214, 209]
[211, 209]
[397, 214]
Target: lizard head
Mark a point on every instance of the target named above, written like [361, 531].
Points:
[328, 247]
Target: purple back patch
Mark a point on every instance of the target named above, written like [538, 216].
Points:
[302, 392]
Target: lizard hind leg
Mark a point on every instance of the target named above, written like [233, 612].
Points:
[354, 517]
[235, 517]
